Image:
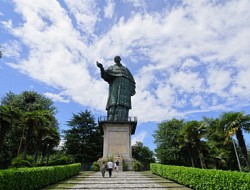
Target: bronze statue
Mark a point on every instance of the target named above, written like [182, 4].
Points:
[121, 88]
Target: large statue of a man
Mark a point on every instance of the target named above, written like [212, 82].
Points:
[121, 88]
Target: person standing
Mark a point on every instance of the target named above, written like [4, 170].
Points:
[110, 167]
[117, 165]
[103, 169]
[121, 88]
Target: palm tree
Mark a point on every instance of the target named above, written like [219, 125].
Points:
[185, 144]
[7, 116]
[234, 123]
[34, 123]
[42, 130]
[221, 154]
[190, 138]
[49, 142]
[5, 122]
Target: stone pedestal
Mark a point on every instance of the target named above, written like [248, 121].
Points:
[117, 141]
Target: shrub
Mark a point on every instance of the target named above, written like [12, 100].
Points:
[137, 166]
[124, 166]
[18, 162]
[96, 166]
[60, 159]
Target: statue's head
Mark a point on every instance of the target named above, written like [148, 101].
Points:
[117, 59]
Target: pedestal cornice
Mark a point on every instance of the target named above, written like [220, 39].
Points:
[132, 121]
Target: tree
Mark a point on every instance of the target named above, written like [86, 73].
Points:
[233, 123]
[167, 150]
[33, 107]
[49, 142]
[7, 116]
[34, 123]
[143, 154]
[84, 140]
[43, 130]
[221, 155]
[190, 138]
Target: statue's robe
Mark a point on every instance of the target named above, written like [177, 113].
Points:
[121, 88]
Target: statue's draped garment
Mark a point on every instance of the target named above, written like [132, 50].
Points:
[121, 88]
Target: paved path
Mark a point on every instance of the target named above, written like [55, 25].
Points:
[120, 180]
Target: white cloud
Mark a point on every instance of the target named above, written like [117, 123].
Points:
[12, 49]
[196, 100]
[186, 81]
[85, 13]
[7, 24]
[241, 86]
[109, 9]
[218, 80]
[61, 143]
[56, 97]
[57, 56]
[139, 137]
[136, 3]
[189, 64]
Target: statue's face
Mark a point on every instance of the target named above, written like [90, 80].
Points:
[117, 59]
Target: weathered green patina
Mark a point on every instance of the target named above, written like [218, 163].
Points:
[121, 88]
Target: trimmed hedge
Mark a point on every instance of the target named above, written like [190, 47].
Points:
[36, 178]
[203, 179]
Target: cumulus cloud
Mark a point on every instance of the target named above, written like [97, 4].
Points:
[109, 9]
[85, 13]
[191, 58]
[136, 3]
[139, 137]
[56, 97]
[12, 49]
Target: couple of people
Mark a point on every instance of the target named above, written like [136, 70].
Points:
[109, 167]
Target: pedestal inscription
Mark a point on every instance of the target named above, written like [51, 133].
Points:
[117, 143]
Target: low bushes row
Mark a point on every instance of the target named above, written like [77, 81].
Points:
[203, 179]
[36, 178]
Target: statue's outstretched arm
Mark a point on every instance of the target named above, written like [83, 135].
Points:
[104, 74]
[99, 65]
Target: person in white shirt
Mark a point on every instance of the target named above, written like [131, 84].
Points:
[110, 167]
[117, 165]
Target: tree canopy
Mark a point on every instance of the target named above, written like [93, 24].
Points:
[26, 121]
[84, 139]
[167, 148]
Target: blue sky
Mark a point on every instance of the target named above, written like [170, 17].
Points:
[189, 58]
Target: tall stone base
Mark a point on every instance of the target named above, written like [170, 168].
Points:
[117, 142]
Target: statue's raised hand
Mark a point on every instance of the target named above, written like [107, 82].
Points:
[99, 65]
